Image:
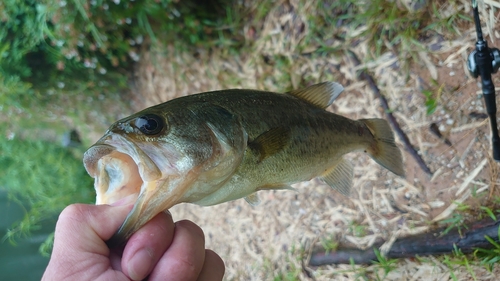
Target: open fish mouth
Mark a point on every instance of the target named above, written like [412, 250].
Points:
[119, 168]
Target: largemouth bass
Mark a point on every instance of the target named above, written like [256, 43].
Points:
[214, 147]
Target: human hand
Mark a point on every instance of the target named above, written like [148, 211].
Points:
[161, 249]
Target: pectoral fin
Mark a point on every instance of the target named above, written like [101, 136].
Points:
[253, 199]
[339, 177]
[270, 142]
[320, 95]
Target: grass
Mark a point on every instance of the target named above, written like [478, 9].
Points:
[42, 176]
[293, 271]
[489, 257]
[109, 48]
[457, 219]
[385, 25]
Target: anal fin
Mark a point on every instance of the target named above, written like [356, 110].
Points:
[253, 199]
[339, 177]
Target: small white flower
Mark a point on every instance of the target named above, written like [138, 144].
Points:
[134, 56]
[139, 39]
[11, 135]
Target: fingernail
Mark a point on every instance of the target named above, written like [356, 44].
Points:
[140, 264]
[125, 200]
[168, 212]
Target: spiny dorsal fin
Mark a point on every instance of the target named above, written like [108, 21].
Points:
[270, 142]
[339, 177]
[253, 199]
[320, 95]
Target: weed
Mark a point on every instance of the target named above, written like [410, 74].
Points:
[356, 229]
[458, 259]
[456, 221]
[387, 265]
[45, 176]
[329, 244]
[58, 48]
[292, 271]
[361, 272]
[488, 212]
[489, 257]
[432, 97]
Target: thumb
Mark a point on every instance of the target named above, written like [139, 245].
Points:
[81, 224]
[79, 239]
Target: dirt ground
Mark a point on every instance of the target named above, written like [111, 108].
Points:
[266, 242]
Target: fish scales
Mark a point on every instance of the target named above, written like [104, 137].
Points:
[317, 139]
[219, 146]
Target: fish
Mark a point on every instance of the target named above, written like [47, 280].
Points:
[214, 147]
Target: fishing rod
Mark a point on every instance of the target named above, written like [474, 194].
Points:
[484, 61]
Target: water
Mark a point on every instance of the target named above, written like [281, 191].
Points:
[21, 261]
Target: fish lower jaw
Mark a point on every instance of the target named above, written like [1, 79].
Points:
[117, 177]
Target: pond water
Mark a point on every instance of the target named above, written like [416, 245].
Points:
[21, 261]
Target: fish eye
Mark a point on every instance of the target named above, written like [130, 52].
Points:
[149, 124]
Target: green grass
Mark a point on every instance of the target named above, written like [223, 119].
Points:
[357, 229]
[293, 269]
[489, 257]
[43, 177]
[79, 56]
[385, 25]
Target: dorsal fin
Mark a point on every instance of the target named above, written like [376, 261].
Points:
[320, 95]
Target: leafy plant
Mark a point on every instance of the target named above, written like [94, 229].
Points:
[458, 259]
[356, 229]
[387, 265]
[388, 25]
[59, 47]
[457, 220]
[430, 101]
[489, 257]
[42, 176]
[329, 244]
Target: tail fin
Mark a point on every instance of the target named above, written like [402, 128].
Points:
[384, 151]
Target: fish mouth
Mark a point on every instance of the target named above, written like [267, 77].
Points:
[120, 169]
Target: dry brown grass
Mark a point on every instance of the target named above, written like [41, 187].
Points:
[262, 242]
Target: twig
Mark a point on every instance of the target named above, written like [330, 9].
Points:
[404, 138]
[431, 243]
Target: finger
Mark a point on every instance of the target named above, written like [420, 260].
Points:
[185, 257]
[147, 245]
[213, 268]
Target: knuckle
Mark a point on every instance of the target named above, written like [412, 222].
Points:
[192, 228]
[74, 213]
